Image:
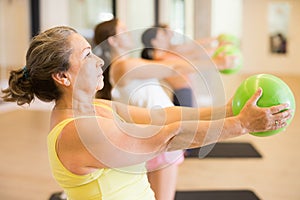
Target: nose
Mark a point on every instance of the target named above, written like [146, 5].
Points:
[100, 62]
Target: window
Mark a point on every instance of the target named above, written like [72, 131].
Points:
[84, 15]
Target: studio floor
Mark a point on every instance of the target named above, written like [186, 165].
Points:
[25, 172]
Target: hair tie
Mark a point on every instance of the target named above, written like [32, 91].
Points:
[25, 72]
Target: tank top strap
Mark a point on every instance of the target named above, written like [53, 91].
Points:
[108, 108]
[63, 123]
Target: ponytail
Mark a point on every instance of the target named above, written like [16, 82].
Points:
[20, 87]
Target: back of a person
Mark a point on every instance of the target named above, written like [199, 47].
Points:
[147, 93]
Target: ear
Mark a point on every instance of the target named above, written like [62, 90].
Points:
[61, 78]
[112, 41]
[153, 42]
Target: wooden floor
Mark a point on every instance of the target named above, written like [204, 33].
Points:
[25, 172]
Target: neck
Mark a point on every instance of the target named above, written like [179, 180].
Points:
[83, 106]
[78, 105]
[119, 53]
[62, 104]
[158, 54]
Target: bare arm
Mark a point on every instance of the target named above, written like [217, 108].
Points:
[136, 68]
[188, 58]
[133, 143]
[251, 119]
[118, 143]
[163, 116]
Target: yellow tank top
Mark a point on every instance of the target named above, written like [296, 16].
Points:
[103, 184]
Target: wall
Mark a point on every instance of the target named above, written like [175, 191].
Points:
[53, 13]
[136, 13]
[165, 15]
[15, 30]
[255, 40]
[14, 33]
[202, 18]
[226, 17]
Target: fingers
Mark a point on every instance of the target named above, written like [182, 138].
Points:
[280, 119]
[279, 125]
[256, 96]
[279, 108]
[280, 115]
[285, 115]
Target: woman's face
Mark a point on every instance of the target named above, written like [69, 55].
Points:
[162, 40]
[85, 67]
[123, 37]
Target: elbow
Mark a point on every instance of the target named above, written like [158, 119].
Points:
[178, 139]
[166, 137]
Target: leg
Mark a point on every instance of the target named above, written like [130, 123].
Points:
[163, 182]
[162, 174]
[183, 97]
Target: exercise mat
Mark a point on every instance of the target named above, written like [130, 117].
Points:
[216, 195]
[224, 150]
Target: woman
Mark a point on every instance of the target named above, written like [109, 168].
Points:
[92, 148]
[157, 43]
[158, 47]
[144, 89]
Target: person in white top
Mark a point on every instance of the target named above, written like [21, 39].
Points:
[157, 46]
[127, 82]
[115, 135]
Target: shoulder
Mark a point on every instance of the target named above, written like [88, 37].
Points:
[73, 148]
[120, 68]
[102, 102]
[124, 65]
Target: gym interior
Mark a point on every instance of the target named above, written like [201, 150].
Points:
[274, 174]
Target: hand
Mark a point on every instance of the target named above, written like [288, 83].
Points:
[223, 61]
[256, 119]
[228, 108]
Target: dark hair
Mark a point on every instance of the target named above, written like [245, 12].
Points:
[48, 53]
[147, 36]
[102, 32]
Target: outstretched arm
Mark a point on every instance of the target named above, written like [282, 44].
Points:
[163, 116]
[137, 68]
[251, 119]
[117, 143]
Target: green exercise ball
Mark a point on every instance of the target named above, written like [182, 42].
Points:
[230, 50]
[275, 92]
[226, 38]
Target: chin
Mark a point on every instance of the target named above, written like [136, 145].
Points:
[100, 86]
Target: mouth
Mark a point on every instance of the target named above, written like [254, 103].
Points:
[100, 76]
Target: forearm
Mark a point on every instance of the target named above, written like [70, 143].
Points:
[188, 113]
[168, 115]
[194, 134]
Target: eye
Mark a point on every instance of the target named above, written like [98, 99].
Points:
[88, 54]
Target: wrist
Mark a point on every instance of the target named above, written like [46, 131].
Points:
[243, 125]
